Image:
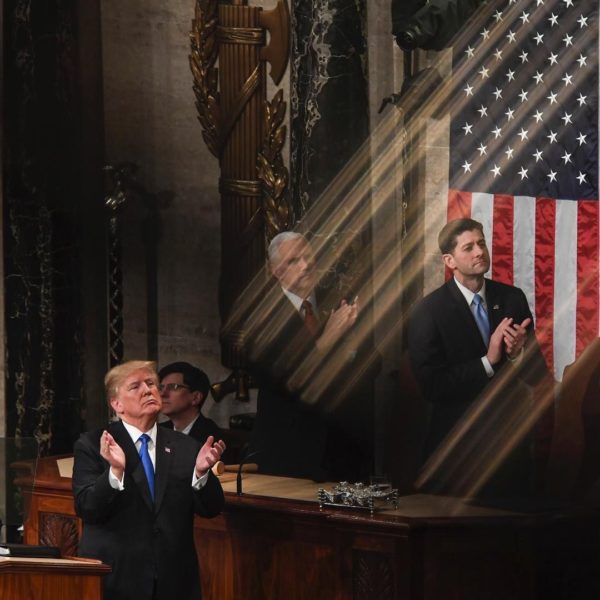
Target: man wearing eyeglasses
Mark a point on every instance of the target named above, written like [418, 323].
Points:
[183, 389]
[137, 487]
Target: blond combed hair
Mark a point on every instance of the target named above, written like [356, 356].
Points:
[117, 375]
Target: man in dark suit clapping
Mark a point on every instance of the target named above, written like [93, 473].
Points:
[137, 487]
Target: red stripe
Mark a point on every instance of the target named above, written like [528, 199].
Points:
[545, 218]
[459, 207]
[459, 204]
[502, 244]
[586, 325]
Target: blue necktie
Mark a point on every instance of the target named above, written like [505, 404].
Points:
[147, 462]
[481, 318]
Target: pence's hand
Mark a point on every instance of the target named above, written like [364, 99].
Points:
[339, 322]
[209, 454]
[112, 453]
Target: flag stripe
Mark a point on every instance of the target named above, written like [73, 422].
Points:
[482, 210]
[502, 241]
[544, 275]
[565, 284]
[588, 279]
[524, 248]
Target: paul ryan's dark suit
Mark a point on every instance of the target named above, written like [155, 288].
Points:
[146, 544]
[446, 347]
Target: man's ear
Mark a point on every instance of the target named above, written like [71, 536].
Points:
[116, 404]
[449, 261]
[198, 399]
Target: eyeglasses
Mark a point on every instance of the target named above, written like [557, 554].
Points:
[172, 387]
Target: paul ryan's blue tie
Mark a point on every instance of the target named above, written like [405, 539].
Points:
[481, 318]
[147, 462]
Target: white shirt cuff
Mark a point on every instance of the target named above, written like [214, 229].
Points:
[116, 484]
[199, 482]
[487, 366]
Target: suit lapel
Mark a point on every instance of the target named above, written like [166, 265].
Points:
[494, 304]
[463, 312]
[133, 464]
[163, 462]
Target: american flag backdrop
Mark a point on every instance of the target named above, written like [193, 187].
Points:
[524, 160]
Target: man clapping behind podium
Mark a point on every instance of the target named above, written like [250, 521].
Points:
[137, 487]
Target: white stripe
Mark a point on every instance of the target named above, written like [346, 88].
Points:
[482, 210]
[524, 247]
[565, 285]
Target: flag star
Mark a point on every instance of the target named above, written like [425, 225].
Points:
[568, 40]
[498, 93]
[581, 138]
[539, 38]
[468, 128]
[482, 111]
[553, 20]
[568, 3]
[581, 178]
[523, 134]
[512, 38]
[467, 166]
[552, 97]
[469, 90]
[482, 149]
[523, 173]
[498, 16]
[524, 18]
[539, 3]
[495, 171]
[566, 157]
[483, 72]
[567, 79]
[512, 1]
[582, 22]
[510, 75]
[567, 118]
[552, 137]
[497, 132]
[470, 51]
[537, 155]
[523, 95]
[582, 61]
[485, 34]
[523, 56]
[498, 54]
[539, 77]
[538, 116]
[552, 176]
[553, 58]
[581, 100]
[510, 114]
[509, 153]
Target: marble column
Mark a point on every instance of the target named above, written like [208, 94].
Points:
[329, 117]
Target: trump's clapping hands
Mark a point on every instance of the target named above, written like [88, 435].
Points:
[209, 454]
[111, 452]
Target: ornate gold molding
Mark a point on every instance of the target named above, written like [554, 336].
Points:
[204, 50]
[272, 171]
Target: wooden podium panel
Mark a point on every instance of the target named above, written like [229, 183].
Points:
[275, 542]
[50, 579]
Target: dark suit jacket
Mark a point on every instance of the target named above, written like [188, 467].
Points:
[146, 544]
[296, 431]
[201, 429]
[446, 347]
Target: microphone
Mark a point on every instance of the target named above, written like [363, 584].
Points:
[238, 482]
